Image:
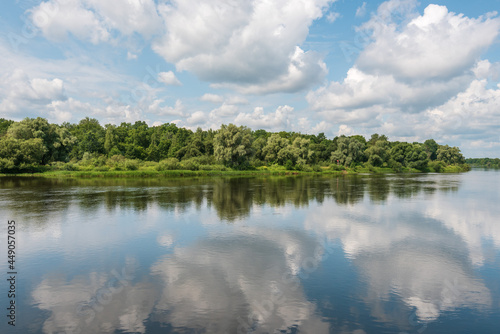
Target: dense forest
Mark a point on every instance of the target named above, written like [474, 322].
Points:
[484, 162]
[35, 145]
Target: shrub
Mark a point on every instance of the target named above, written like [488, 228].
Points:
[131, 164]
[70, 167]
[336, 167]
[256, 162]
[102, 168]
[168, 164]
[437, 166]
[190, 165]
[317, 168]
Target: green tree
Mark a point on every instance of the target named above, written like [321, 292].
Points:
[90, 136]
[232, 145]
[450, 155]
[431, 148]
[20, 154]
[276, 144]
[349, 150]
[301, 150]
[4, 125]
[56, 141]
[378, 150]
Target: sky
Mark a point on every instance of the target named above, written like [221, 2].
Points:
[411, 70]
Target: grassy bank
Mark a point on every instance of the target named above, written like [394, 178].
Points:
[155, 170]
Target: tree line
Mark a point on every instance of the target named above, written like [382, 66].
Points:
[34, 144]
[484, 162]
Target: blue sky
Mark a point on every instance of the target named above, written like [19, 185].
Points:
[410, 70]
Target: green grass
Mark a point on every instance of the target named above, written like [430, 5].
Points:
[150, 171]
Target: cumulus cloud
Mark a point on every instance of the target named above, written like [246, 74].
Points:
[157, 107]
[470, 116]
[361, 90]
[18, 91]
[416, 69]
[169, 78]
[214, 98]
[436, 45]
[252, 46]
[95, 21]
[64, 111]
[198, 117]
[278, 120]
[224, 110]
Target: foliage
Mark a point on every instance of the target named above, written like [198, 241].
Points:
[232, 145]
[484, 162]
[34, 144]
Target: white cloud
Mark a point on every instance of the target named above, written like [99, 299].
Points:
[322, 126]
[198, 117]
[436, 45]
[19, 92]
[129, 17]
[212, 98]
[360, 90]
[472, 114]
[361, 11]
[345, 130]
[280, 119]
[58, 19]
[65, 111]
[237, 100]
[224, 110]
[131, 56]
[157, 108]
[95, 21]
[420, 77]
[250, 46]
[332, 16]
[169, 78]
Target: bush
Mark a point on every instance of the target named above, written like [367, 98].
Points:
[190, 164]
[370, 167]
[102, 168]
[256, 162]
[437, 166]
[70, 167]
[86, 159]
[212, 167]
[395, 165]
[168, 164]
[131, 164]
[336, 167]
[317, 168]
[289, 165]
[6, 165]
[99, 161]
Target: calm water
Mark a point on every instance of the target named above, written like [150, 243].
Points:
[365, 254]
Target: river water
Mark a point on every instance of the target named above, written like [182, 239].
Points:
[353, 254]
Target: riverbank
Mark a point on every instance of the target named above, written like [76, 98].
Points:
[260, 171]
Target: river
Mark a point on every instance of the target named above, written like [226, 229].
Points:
[353, 254]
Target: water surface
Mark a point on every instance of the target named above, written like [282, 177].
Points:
[360, 254]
